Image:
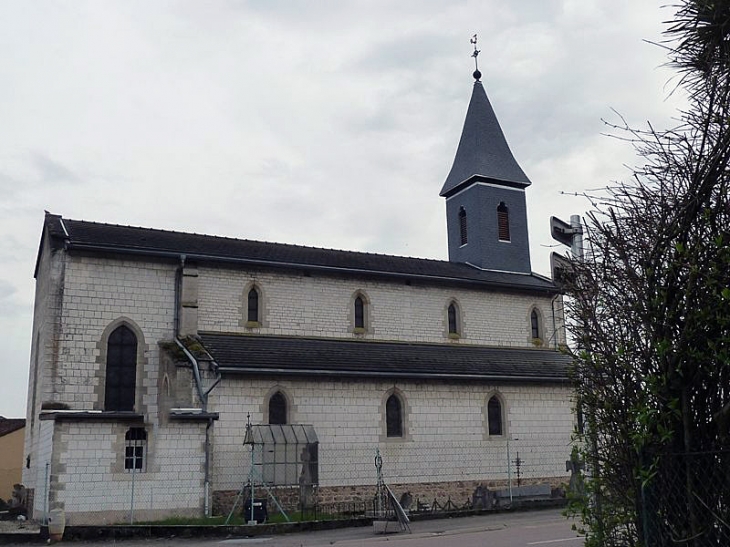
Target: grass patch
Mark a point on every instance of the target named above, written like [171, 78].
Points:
[238, 520]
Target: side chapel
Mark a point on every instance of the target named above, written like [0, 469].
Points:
[152, 350]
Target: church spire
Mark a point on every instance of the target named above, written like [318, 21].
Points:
[486, 210]
[483, 153]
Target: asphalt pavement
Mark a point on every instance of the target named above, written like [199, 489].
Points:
[544, 528]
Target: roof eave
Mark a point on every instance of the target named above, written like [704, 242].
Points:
[406, 375]
[450, 189]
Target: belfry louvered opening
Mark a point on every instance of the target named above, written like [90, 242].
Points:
[503, 222]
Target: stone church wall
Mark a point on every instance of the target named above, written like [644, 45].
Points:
[99, 292]
[88, 481]
[320, 306]
[446, 441]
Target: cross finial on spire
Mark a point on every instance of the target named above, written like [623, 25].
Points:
[475, 54]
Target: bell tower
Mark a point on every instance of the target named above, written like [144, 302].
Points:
[486, 211]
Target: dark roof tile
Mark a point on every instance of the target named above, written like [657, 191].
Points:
[331, 357]
[483, 151]
[94, 236]
[8, 425]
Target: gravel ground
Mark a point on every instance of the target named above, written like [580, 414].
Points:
[10, 526]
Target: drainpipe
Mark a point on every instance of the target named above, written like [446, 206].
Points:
[202, 393]
[206, 480]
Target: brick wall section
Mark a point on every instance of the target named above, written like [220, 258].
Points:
[98, 292]
[45, 340]
[96, 488]
[426, 493]
[446, 440]
[319, 306]
[35, 477]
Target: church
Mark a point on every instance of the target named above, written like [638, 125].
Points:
[168, 369]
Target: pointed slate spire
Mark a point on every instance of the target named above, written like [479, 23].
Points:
[483, 153]
[486, 209]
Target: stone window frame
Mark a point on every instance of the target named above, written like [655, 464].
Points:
[405, 416]
[135, 444]
[504, 411]
[103, 345]
[291, 409]
[117, 468]
[367, 313]
[540, 339]
[262, 306]
[459, 320]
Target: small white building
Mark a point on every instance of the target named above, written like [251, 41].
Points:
[152, 349]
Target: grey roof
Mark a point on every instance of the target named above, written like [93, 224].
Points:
[280, 434]
[90, 416]
[289, 356]
[483, 152]
[8, 425]
[110, 238]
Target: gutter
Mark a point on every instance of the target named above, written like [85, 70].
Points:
[315, 267]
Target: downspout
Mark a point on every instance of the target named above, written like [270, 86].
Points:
[196, 368]
[202, 393]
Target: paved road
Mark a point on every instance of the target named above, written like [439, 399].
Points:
[534, 529]
[546, 528]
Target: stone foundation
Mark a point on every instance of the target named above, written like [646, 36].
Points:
[458, 492]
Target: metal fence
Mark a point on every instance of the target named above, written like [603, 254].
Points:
[687, 500]
[446, 477]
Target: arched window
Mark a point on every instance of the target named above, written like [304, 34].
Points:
[121, 370]
[503, 222]
[462, 226]
[359, 313]
[135, 450]
[277, 409]
[453, 318]
[253, 305]
[535, 324]
[494, 416]
[393, 417]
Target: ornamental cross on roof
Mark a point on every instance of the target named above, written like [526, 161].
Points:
[475, 54]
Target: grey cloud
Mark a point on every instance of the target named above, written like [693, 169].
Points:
[6, 290]
[51, 170]
[404, 53]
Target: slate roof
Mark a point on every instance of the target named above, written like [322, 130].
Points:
[8, 425]
[97, 237]
[248, 354]
[483, 152]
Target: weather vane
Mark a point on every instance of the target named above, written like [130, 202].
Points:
[475, 54]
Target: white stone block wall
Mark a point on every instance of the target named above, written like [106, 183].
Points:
[99, 291]
[38, 476]
[320, 306]
[46, 325]
[96, 489]
[446, 436]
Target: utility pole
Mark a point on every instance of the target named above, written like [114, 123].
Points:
[571, 235]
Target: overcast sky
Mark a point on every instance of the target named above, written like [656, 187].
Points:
[330, 124]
